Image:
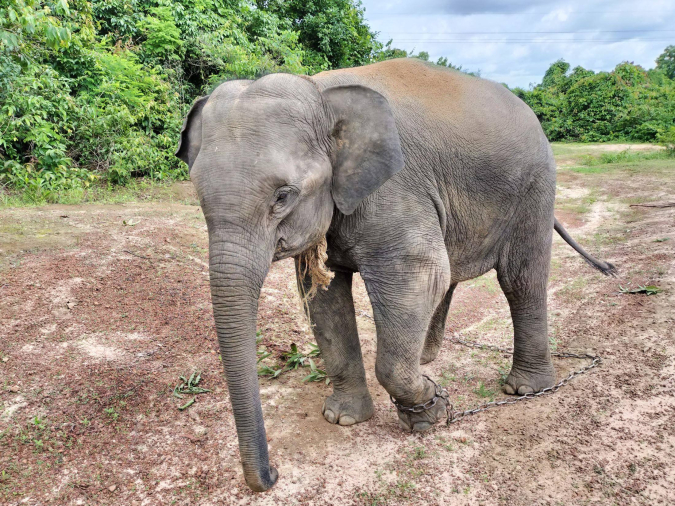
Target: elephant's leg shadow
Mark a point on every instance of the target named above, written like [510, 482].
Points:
[334, 327]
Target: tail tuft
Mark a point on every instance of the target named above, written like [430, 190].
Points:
[605, 267]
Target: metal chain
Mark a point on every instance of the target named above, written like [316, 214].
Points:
[439, 393]
[455, 416]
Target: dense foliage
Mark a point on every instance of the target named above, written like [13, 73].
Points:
[95, 90]
[628, 103]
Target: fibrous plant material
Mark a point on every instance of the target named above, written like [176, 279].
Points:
[312, 262]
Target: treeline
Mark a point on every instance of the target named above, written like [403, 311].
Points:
[628, 103]
[95, 90]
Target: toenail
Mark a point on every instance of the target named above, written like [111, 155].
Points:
[347, 420]
[508, 389]
[525, 390]
[330, 416]
[403, 425]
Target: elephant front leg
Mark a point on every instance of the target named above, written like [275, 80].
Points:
[404, 294]
[334, 325]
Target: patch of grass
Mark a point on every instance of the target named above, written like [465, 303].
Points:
[607, 239]
[487, 281]
[484, 392]
[653, 167]
[553, 342]
[419, 453]
[627, 155]
[577, 208]
[575, 289]
[445, 444]
[493, 323]
[142, 189]
[448, 376]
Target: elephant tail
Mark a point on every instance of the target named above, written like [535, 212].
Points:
[605, 267]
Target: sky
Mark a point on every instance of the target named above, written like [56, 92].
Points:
[515, 41]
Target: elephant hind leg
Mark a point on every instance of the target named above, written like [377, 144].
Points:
[436, 332]
[523, 276]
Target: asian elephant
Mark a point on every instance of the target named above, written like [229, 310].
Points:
[419, 177]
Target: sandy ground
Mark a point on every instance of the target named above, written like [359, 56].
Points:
[102, 308]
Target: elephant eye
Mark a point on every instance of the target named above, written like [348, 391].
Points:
[283, 197]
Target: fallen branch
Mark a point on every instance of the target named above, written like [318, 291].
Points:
[655, 204]
[137, 255]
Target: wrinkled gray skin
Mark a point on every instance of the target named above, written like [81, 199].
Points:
[419, 177]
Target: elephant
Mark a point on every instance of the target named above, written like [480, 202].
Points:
[418, 177]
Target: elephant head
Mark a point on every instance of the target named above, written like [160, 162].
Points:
[271, 160]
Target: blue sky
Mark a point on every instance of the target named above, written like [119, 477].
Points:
[515, 41]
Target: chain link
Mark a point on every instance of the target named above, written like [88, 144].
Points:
[439, 393]
[455, 416]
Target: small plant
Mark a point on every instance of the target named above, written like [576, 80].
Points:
[294, 358]
[189, 387]
[272, 372]
[419, 453]
[112, 413]
[664, 239]
[503, 371]
[316, 374]
[315, 352]
[647, 290]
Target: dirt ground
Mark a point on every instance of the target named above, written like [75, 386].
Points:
[102, 308]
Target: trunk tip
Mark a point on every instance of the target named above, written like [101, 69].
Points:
[264, 481]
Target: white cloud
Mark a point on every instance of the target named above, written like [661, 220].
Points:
[499, 37]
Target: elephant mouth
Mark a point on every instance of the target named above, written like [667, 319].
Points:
[281, 251]
[284, 250]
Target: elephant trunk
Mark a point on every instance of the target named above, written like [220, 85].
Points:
[237, 274]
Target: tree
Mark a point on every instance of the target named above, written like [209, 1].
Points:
[666, 62]
[333, 32]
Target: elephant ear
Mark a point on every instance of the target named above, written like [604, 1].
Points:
[367, 149]
[191, 134]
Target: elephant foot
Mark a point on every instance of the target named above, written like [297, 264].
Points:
[348, 409]
[423, 416]
[521, 382]
[419, 422]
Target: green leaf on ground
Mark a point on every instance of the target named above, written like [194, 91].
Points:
[648, 290]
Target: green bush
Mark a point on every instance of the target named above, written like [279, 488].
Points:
[667, 139]
[629, 103]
